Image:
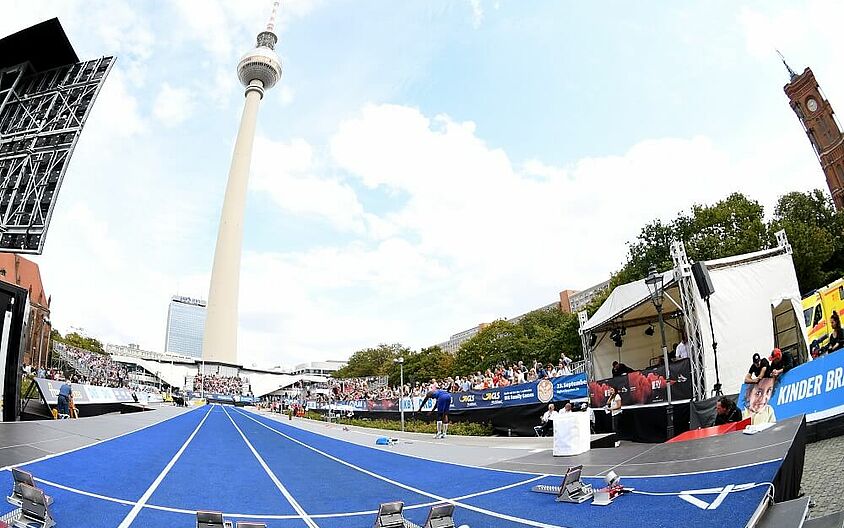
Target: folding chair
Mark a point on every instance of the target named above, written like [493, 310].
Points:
[22, 477]
[35, 512]
[538, 430]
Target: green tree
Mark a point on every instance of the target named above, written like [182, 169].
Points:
[547, 334]
[86, 343]
[425, 365]
[376, 361]
[814, 230]
[499, 342]
[732, 226]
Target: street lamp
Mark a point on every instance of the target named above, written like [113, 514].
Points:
[656, 288]
[400, 361]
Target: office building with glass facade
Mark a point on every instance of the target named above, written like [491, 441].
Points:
[185, 326]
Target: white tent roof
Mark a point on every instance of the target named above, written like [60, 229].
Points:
[746, 288]
[631, 301]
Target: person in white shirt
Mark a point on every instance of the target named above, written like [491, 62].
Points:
[614, 408]
[547, 420]
[682, 351]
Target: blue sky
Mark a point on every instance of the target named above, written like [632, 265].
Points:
[422, 166]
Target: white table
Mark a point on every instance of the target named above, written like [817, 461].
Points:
[571, 433]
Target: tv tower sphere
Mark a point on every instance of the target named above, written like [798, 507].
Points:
[261, 63]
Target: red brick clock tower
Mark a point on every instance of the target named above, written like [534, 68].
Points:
[822, 127]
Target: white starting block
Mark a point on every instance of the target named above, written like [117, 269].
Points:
[571, 490]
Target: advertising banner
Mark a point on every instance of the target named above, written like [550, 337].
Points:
[83, 394]
[815, 388]
[542, 391]
[645, 387]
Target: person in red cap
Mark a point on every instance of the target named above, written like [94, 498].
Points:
[780, 363]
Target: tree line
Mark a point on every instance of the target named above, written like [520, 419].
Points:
[731, 226]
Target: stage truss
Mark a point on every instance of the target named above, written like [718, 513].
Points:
[41, 117]
[683, 273]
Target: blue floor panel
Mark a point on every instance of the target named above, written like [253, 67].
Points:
[218, 472]
[318, 483]
[123, 467]
[641, 510]
[74, 510]
[435, 477]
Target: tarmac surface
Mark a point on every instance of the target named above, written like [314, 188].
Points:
[822, 476]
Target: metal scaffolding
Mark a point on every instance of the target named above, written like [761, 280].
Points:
[691, 323]
[41, 117]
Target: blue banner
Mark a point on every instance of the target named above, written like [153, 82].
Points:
[543, 391]
[815, 388]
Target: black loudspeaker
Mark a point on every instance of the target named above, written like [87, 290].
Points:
[704, 283]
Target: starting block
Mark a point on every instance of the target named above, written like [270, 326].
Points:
[571, 490]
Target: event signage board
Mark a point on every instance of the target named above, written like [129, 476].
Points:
[83, 394]
[543, 391]
[815, 388]
[645, 387]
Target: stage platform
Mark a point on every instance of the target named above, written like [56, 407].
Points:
[22, 442]
[300, 473]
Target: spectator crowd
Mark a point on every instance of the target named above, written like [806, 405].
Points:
[102, 370]
[376, 388]
[230, 385]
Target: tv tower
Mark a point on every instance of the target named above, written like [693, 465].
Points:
[258, 71]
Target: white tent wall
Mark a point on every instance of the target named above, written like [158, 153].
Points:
[172, 374]
[637, 348]
[267, 383]
[741, 314]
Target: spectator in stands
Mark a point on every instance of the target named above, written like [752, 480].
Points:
[465, 385]
[726, 411]
[836, 336]
[614, 408]
[759, 369]
[619, 369]
[780, 363]
[547, 427]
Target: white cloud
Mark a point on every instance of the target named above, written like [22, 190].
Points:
[286, 94]
[477, 13]
[172, 106]
[439, 230]
[287, 172]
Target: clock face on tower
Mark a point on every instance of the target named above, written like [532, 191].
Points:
[812, 105]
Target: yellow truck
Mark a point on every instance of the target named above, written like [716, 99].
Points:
[817, 308]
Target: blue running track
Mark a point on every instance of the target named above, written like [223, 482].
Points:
[255, 468]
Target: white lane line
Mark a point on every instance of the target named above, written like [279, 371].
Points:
[269, 416]
[148, 493]
[83, 492]
[388, 480]
[296, 506]
[46, 457]
[259, 516]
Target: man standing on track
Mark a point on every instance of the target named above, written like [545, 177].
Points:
[443, 404]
